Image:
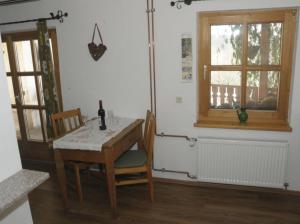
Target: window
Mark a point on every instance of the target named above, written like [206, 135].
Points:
[245, 60]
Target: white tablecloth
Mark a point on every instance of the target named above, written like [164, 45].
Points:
[90, 137]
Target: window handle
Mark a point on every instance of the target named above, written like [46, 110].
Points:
[204, 71]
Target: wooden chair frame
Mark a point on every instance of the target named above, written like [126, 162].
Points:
[148, 143]
[58, 122]
[59, 130]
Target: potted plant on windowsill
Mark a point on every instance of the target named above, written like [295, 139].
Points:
[241, 113]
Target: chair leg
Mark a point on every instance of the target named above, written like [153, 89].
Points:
[150, 184]
[78, 183]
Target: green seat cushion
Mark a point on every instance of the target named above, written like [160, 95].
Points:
[132, 158]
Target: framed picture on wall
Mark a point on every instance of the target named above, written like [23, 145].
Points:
[187, 58]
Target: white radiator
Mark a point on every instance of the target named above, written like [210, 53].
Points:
[242, 162]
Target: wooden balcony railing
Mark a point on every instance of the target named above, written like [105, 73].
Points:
[224, 96]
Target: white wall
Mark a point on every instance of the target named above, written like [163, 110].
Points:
[10, 162]
[120, 77]
[18, 213]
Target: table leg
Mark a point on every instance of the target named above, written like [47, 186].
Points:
[60, 169]
[110, 175]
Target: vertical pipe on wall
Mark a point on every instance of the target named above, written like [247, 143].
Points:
[152, 74]
[153, 56]
[150, 52]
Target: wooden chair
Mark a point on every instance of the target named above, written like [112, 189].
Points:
[138, 161]
[63, 123]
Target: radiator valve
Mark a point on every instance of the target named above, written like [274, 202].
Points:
[192, 142]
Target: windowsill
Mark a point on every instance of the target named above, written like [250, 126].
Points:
[245, 126]
[19, 185]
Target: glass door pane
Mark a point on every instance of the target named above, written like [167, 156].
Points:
[28, 90]
[23, 56]
[33, 125]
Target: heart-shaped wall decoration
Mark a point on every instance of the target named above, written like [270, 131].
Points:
[96, 51]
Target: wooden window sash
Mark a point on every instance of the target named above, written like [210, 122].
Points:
[206, 20]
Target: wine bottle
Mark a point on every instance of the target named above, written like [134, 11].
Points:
[101, 116]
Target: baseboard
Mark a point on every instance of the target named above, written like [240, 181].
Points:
[226, 186]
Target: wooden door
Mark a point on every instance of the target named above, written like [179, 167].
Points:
[23, 72]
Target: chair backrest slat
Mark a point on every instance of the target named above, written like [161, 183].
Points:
[62, 122]
[70, 124]
[61, 126]
[76, 122]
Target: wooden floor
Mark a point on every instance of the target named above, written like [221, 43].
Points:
[176, 204]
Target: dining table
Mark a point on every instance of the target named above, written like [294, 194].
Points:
[89, 144]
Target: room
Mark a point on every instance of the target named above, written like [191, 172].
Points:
[205, 169]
